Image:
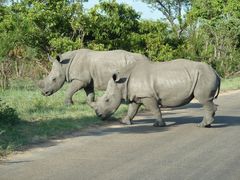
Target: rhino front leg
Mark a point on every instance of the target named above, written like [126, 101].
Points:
[152, 105]
[132, 111]
[74, 86]
[90, 94]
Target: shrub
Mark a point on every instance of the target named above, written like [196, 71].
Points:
[8, 115]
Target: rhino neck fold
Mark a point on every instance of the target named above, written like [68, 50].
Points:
[126, 72]
[67, 70]
[124, 90]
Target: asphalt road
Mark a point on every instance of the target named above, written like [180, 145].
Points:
[180, 151]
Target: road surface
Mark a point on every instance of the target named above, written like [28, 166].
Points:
[180, 151]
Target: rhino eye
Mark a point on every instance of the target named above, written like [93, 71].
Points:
[107, 100]
[54, 79]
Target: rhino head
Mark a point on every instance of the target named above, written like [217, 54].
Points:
[107, 104]
[55, 79]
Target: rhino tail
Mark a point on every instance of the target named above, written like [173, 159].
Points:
[218, 86]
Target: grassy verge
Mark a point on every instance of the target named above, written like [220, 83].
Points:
[230, 84]
[43, 118]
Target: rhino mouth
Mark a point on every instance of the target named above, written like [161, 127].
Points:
[47, 93]
[103, 116]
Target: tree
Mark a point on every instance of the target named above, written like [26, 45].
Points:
[174, 12]
[45, 25]
[217, 33]
[111, 25]
[152, 39]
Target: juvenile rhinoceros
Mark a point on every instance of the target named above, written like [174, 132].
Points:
[85, 69]
[164, 84]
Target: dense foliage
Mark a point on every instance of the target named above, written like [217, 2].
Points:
[8, 115]
[196, 29]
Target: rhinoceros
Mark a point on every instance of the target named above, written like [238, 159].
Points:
[85, 69]
[160, 84]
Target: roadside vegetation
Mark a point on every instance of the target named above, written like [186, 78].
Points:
[27, 117]
[232, 83]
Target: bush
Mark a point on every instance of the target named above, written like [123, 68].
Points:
[8, 115]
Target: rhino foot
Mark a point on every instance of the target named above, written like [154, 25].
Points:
[204, 125]
[68, 103]
[159, 124]
[126, 121]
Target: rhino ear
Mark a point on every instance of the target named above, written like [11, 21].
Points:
[59, 57]
[115, 77]
[118, 79]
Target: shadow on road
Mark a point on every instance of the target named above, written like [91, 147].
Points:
[13, 162]
[190, 106]
[139, 129]
[144, 126]
[220, 121]
[224, 121]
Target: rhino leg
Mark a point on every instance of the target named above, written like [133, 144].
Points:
[74, 86]
[90, 93]
[152, 105]
[210, 109]
[132, 111]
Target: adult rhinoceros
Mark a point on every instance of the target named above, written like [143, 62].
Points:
[168, 84]
[85, 69]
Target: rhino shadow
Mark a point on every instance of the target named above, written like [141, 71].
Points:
[114, 126]
[190, 105]
[135, 129]
[225, 121]
[144, 126]
[140, 126]
[220, 121]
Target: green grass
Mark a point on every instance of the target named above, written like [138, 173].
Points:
[43, 118]
[230, 84]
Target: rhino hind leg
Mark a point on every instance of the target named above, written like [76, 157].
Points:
[205, 96]
[210, 109]
[205, 90]
[152, 105]
[132, 111]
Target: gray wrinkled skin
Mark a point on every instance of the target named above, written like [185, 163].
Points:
[85, 69]
[164, 84]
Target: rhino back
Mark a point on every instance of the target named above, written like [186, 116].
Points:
[69, 54]
[98, 66]
[104, 63]
[172, 83]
